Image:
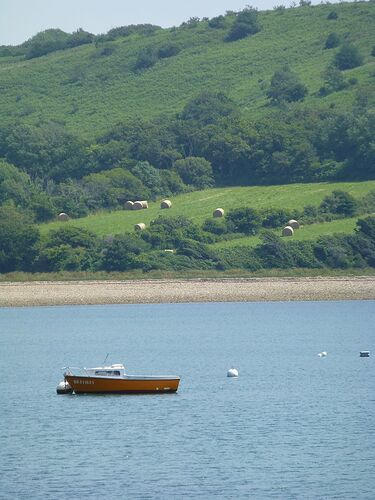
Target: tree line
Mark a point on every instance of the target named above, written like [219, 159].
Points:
[46, 170]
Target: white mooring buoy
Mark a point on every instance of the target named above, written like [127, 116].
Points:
[232, 372]
[64, 388]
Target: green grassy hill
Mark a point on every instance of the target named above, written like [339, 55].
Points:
[199, 206]
[89, 88]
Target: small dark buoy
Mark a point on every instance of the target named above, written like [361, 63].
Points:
[364, 354]
[64, 388]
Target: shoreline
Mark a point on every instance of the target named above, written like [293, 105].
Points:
[54, 293]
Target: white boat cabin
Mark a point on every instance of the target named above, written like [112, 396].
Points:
[106, 371]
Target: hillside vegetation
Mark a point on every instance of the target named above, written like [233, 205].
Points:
[91, 87]
[269, 115]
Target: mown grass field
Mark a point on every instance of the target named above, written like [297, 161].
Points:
[308, 232]
[199, 206]
[89, 91]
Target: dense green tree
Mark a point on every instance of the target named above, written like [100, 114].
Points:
[80, 37]
[111, 188]
[217, 22]
[195, 171]
[14, 185]
[120, 253]
[124, 31]
[273, 252]
[245, 220]
[42, 205]
[107, 155]
[150, 177]
[154, 141]
[198, 251]
[46, 151]
[209, 107]
[286, 86]
[45, 42]
[69, 249]
[277, 217]
[348, 57]
[167, 232]
[246, 23]
[339, 202]
[367, 227]
[72, 198]
[18, 239]
[335, 251]
[217, 226]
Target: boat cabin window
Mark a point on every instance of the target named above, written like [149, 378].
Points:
[108, 373]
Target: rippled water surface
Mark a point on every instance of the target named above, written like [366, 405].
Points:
[292, 426]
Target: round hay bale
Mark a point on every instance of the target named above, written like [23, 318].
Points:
[219, 212]
[129, 205]
[288, 231]
[140, 227]
[166, 204]
[140, 205]
[137, 205]
[63, 216]
[293, 223]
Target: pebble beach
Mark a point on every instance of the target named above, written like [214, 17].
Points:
[52, 293]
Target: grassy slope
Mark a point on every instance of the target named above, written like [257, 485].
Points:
[309, 232]
[106, 89]
[199, 205]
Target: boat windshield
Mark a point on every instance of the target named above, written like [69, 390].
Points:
[108, 373]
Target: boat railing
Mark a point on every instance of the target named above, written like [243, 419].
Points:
[75, 370]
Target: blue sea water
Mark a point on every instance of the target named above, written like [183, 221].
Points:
[291, 426]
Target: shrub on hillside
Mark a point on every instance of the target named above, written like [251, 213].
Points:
[332, 15]
[246, 23]
[245, 220]
[340, 203]
[335, 252]
[333, 40]
[217, 22]
[348, 57]
[123, 31]
[168, 50]
[334, 81]
[277, 217]
[120, 252]
[69, 249]
[215, 226]
[209, 107]
[147, 57]
[45, 42]
[286, 86]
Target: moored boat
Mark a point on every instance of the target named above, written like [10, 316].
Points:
[114, 379]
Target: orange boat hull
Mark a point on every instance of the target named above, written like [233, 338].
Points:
[121, 386]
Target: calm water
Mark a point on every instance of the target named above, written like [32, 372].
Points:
[292, 426]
